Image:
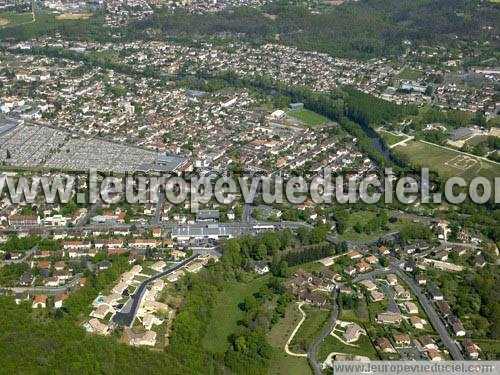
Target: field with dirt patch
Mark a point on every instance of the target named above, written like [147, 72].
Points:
[73, 16]
[446, 162]
[3, 22]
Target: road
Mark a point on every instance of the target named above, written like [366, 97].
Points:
[395, 268]
[26, 255]
[246, 216]
[48, 290]
[437, 323]
[127, 314]
[312, 353]
[90, 212]
[159, 206]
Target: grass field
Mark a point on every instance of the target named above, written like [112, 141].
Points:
[445, 162]
[281, 363]
[21, 27]
[14, 19]
[410, 74]
[73, 16]
[490, 348]
[332, 344]
[226, 313]
[390, 138]
[363, 217]
[308, 117]
[104, 56]
[315, 320]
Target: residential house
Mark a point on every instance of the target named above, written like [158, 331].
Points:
[411, 307]
[352, 333]
[402, 340]
[59, 300]
[417, 322]
[384, 345]
[147, 338]
[97, 327]
[389, 318]
[261, 267]
[471, 349]
[40, 301]
[435, 293]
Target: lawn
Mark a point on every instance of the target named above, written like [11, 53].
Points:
[332, 344]
[315, 320]
[226, 313]
[490, 348]
[308, 117]
[474, 141]
[104, 56]
[443, 161]
[359, 315]
[13, 19]
[281, 363]
[410, 74]
[391, 138]
[363, 217]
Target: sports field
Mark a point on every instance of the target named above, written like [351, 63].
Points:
[410, 74]
[308, 117]
[446, 163]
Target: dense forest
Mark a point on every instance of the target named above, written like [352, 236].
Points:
[32, 340]
[359, 29]
[354, 29]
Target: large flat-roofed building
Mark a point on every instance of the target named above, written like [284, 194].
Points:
[164, 163]
[7, 124]
[213, 231]
[24, 220]
[460, 133]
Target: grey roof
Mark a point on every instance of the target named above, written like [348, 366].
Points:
[460, 133]
[208, 215]
[164, 163]
[7, 124]
[209, 230]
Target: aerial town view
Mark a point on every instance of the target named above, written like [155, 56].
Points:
[250, 187]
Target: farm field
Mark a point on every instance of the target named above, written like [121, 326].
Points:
[226, 313]
[282, 363]
[446, 163]
[308, 117]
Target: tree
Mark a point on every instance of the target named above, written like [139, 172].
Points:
[283, 269]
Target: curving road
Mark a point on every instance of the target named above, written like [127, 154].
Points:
[313, 349]
[127, 314]
[437, 323]
[48, 290]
